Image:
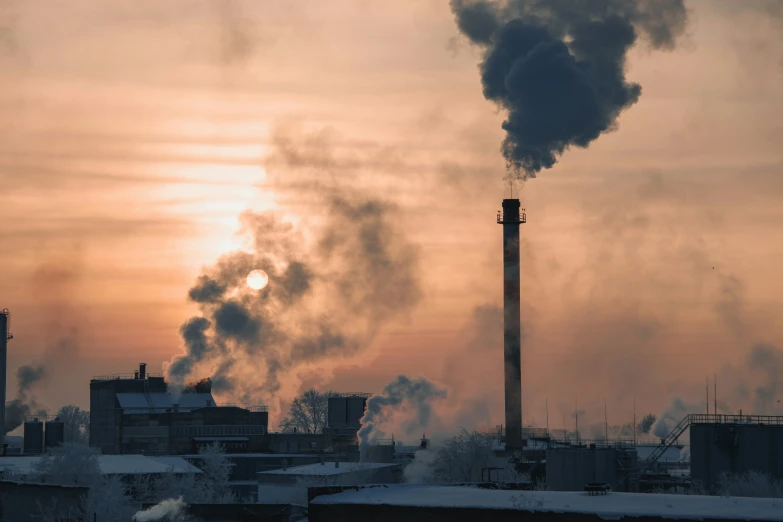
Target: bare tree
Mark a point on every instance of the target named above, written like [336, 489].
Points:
[77, 423]
[308, 412]
[463, 457]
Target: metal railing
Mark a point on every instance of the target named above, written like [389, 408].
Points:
[351, 394]
[124, 376]
[719, 418]
[256, 409]
[510, 218]
[186, 408]
[218, 430]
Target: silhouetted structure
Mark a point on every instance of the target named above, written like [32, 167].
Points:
[5, 336]
[511, 218]
[137, 414]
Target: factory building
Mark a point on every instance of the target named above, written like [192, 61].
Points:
[343, 421]
[734, 444]
[137, 414]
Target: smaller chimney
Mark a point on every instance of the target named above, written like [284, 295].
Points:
[142, 370]
[136, 374]
[336, 464]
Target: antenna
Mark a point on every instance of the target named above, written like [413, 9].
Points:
[546, 406]
[708, 394]
[715, 394]
[634, 420]
[606, 424]
[576, 417]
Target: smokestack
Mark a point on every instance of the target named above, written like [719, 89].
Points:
[5, 336]
[142, 370]
[512, 328]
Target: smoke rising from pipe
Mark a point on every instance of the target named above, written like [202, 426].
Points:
[417, 395]
[557, 67]
[329, 292]
[25, 404]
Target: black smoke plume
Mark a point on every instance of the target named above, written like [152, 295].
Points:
[332, 285]
[557, 67]
[416, 394]
[24, 405]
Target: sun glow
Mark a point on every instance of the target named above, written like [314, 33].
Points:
[257, 279]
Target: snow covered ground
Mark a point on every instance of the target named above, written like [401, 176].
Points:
[610, 506]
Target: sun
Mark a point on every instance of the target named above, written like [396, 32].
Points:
[257, 279]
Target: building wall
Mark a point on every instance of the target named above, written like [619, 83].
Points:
[171, 433]
[734, 448]
[569, 469]
[104, 414]
[387, 475]
[39, 502]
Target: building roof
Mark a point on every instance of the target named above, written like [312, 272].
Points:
[112, 464]
[327, 468]
[611, 507]
[161, 402]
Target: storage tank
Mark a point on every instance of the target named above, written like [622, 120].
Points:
[337, 412]
[54, 435]
[355, 410]
[33, 437]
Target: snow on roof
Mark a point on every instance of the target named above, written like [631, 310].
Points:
[164, 401]
[111, 464]
[611, 506]
[327, 468]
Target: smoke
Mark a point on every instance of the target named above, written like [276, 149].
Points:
[25, 404]
[332, 285]
[169, 509]
[675, 412]
[558, 67]
[410, 397]
[767, 361]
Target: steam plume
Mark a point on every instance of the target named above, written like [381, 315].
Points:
[24, 405]
[167, 509]
[328, 295]
[558, 67]
[416, 394]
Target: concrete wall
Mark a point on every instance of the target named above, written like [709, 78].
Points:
[734, 448]
[40, 502]
[569, 469]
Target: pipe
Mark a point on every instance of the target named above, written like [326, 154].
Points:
[512, 328]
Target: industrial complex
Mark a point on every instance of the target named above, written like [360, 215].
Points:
[140, 414]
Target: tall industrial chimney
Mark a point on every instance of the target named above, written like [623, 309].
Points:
[511, 218]
[5, 336]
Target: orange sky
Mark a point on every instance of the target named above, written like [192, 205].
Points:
[136, 133]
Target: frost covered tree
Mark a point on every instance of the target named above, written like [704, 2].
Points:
[216, 474]
[750, 484]
[307, 413]
[77, 465]
[77, 423]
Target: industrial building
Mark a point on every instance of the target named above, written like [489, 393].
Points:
[734, 444]
[137, 414]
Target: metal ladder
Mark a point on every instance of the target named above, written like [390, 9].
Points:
[667, 443]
